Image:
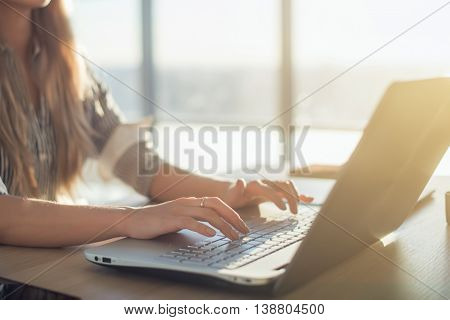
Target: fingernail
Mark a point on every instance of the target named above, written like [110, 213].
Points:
[244, 227]
[211, 233]
[305, 198]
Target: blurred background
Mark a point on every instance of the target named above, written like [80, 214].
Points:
[244, 62]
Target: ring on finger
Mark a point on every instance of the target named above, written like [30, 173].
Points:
[202, 202]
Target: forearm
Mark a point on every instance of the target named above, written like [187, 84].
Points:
[171, 183]
[26, 222]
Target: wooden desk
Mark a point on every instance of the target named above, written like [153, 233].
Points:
[422, 249]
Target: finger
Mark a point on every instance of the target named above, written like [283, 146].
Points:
[210, 216]
[193, 225]
[240, 186]
[287, 191]
[305, 199]
[263, 190]
[226, 212]
[292, 196]
[293, 189]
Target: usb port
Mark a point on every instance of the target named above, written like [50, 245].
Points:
[106, 260]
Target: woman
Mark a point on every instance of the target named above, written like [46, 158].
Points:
[54, 115]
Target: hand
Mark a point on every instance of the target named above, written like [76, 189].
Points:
[183, 213]
[241, 194]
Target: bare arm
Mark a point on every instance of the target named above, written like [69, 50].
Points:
[27, 222]
[35, 223]
[171, 183]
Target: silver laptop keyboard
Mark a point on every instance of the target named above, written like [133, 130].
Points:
[265, 237]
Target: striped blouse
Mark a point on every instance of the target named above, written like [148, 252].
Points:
[127, 159]
[122, 151]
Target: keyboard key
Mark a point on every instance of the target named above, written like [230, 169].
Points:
[264, 246]
[253, 251]
[192, 263]
[233, 244]
[197, 259]
[170, 256]
[194, 247]
[271, 242]
[265, 237]
[239, 249]
[284, 236]
[188, 254]
[214, 245]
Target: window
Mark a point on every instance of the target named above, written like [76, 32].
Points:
[216, 61]
[109, 32]
[330, 36]
[219, 61]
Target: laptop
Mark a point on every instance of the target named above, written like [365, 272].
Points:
[377, 188]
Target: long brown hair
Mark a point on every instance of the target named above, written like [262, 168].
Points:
[58, 77]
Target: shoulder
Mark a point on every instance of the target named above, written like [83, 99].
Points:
[97, 99]
[102, 112]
